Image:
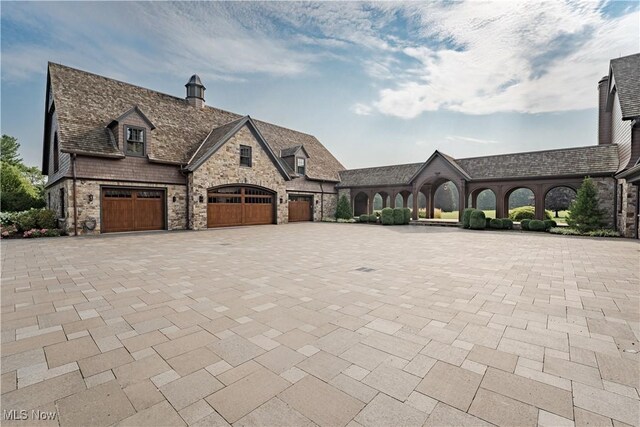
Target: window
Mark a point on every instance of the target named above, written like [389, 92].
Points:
[300, 166]
[63, 210]
[56, 153]
[245, 156]
[620, 198]
[135, 141]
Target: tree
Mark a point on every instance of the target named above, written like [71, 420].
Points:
[559, 199]
[584, 213]
[343, 210]
[445, 197]
[9, 150]
[16, 192]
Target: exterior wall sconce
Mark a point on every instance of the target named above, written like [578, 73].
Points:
[174, 199]
[90, 198]
[201, 198]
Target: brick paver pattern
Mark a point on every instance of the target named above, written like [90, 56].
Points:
[321, 324]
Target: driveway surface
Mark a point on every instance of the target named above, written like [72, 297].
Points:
[321, 324]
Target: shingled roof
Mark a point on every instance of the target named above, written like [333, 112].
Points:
[626, 75]
[86, 103]
[581, 161]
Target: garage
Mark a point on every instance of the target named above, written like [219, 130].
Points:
[240, 205]
[128, 209]
[300, 208]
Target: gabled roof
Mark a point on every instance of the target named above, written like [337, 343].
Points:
[292, 151]
[220, 135]
[382, 175]
[130, 111]
[448, 159]
[626, 77]
[86, 103]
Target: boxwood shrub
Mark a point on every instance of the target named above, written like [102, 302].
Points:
[537, 225]
[507, 224]
[407, 215]
[496, 223]
[477, 221]
[386, 216]
[373, 218]
[466, 217]
[526, 212]
[549, 223]
[398, 216]
[364, 218]
[487, 222]
[524, 224]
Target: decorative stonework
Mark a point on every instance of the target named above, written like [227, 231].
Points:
[223, 168]
[627, 215]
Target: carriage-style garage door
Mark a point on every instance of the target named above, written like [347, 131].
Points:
[126, 209]
[238, 205]
[300, 208]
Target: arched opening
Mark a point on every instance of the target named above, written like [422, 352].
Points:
[399, 201]
[485, 200]
[361, 204]
[445, 201]
[557, 200]
[381, 200]
[422, 204]
[520, 203]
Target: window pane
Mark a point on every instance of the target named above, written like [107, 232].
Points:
[300, 162]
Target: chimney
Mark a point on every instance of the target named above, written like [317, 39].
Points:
[195, 91]
[604, 116]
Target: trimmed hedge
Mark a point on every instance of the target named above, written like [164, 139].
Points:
[407, 215]
[364, 218]
[477, 220]
[35, 218]
[466, 217]
[386, 216]
[398, 216]
[487, 222]
[373, 218]
[526, 212]
[549, 223]
[537, 225]
[496, 223]
[524, 224]
[507, 224]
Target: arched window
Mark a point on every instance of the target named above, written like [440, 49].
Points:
[56, 153]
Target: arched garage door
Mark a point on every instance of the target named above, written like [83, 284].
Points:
[240, 205]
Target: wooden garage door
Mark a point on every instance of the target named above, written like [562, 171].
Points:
[300, 208]
[132, 210]
[239, 205]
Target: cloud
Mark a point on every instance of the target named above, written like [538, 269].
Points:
[458, 138]
[362, 109]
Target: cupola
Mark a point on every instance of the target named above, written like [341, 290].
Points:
[195, 91]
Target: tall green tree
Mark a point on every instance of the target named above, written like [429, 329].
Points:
[343, 210]
[9, 150]
[584, 213]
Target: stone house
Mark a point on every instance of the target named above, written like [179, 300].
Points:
[123, 158]
[120, 157]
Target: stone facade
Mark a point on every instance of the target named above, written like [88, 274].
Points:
[223, 168]
[628, 199]
[606, 188]
[175, 211]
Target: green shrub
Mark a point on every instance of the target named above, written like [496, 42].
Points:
[343, 209]
[566, 231]
[373, 218]
[477, 221]
[7, 218]
[507, 224]
[524, 224]
[549, 223]
[466, 217]
[398, 216]
[526, 212]
[584, 213]
[496, 223]
[487, 222]
[407, 215]
[46, 218]
[26, 221]
[386, 216]
[604, 233]
[537, 225]
[364, 218]
[33, 233]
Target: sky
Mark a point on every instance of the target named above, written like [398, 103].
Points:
[376, 82]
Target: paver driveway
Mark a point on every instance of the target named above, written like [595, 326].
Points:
[325, 324]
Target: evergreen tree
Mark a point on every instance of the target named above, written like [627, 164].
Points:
[343, 210]
[9, 150]
[584, 213]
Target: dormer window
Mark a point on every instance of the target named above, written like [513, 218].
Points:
[245, 156]
[300, 165]
[135, 141]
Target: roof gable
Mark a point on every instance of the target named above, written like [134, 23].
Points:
[450, 161]
[293, 151]
[130, 111]
[220, 135]
[624, 76]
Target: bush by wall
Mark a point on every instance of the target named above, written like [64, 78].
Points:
[487, 222]
[537, 225]
[526, 212]
[567, 231]
[496, 223]
[549, 223]
[398, 216]
[31, 219]
[466, 217]
[386, 216]
[407, 215]
[343, 209]
[524, 224]
[584, 213]
[507, 224]
[477, 220]
[373, 218]
[364, 218]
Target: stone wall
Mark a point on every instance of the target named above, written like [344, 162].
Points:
[606, 188]
[627, 195]
[52, 198]
[223, 168]
[176, 211]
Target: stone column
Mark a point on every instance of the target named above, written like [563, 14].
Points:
[405, 200]
[538, 196]
[462, 196]
[430, 201]
[392, 200]
[370, 203]
[414, 213]
[501, 211]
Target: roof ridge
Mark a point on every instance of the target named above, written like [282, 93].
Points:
[539, 151]
[384, 166]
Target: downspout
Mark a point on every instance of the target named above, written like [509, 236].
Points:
[186, 178]
[75, 200]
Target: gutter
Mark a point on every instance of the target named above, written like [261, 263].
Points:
[75, 201]
[185, 173]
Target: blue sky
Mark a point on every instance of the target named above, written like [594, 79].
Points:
[377, 83]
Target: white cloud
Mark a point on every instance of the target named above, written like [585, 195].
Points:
[459, 138]
[361, 109]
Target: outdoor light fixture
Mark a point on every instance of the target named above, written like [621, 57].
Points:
[90, 198]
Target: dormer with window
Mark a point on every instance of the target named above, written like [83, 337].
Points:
[131, 133]
[135, 141]
[296, 158]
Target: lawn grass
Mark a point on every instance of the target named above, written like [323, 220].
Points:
[492, 214]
